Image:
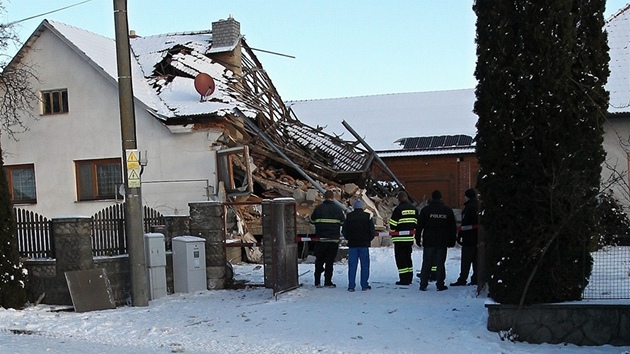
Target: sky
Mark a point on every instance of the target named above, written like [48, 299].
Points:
[386, 319]
[341, 48]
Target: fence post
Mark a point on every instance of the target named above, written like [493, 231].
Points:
[73, 248]
[280, 248]
[176, 225]
[206, 221]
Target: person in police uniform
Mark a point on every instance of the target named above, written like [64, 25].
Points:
[404, 218]
[327, 218]
[436, 232]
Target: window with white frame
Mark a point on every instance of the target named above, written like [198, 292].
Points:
[98, 179]
[21, 180]
[54, 101]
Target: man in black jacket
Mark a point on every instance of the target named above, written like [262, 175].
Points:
[467, 237]
[359, 230]
[437, 230]
[404, 218]
[328, 218]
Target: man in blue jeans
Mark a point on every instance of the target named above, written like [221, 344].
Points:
[358, 229]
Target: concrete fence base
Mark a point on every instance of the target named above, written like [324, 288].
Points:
[580, 323]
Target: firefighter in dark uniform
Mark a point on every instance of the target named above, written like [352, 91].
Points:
[327, 218]
[404, 218]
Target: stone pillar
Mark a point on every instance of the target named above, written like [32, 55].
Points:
[73, 248]
[206, 221]
[174, 225]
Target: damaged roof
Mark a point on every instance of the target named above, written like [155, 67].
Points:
[383, 120]
[153, 59]
[164, 68]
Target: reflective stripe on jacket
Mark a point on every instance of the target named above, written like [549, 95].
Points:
[404, 218]
[327, 218]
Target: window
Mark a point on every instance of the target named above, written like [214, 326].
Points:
[98, 179]
[21, 180]
[233, 169]
[55, 101]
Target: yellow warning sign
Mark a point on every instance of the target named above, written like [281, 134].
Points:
[132, 159]
[133, 175]
[133, 168]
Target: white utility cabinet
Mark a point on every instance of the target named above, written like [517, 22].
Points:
[155, 254]
[189, 264]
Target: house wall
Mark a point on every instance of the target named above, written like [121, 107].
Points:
[617, 145]
[181, 166]
[421, 175]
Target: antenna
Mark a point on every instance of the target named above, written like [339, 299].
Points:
[275, 53]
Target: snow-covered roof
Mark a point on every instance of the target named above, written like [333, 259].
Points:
[427, 152]
[383, 119]
[166, 98]
[618, 28]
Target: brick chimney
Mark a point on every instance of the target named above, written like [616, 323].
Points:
[225, 33]
[226, 43]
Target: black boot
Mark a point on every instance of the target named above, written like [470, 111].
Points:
[459, 283]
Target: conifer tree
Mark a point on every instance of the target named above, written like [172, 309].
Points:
[541, 103]
[16, 97]
[12, 273]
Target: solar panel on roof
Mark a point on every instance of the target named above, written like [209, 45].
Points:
[410, 143]
[451, 140]
[436, 142]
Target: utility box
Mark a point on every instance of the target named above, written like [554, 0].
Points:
[189, 264]
[155, 255]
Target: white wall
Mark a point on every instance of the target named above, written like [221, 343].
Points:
[617, 146]
[91, 130]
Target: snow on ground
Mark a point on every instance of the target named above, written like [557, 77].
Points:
[386, 319]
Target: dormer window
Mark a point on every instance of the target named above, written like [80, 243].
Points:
[54, 101]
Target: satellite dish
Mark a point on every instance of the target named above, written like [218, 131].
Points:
[204, 84]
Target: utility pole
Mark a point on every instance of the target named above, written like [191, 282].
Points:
[133, 200]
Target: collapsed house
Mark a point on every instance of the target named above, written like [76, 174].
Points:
[210, 126]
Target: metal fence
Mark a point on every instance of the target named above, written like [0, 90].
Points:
[34, 234]
[35, 237]
[610, 277]
[108, 229]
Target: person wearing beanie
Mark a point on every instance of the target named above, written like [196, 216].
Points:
[404, 218]
[467, 237]
[436, 232]
[358, 230]
[327, 218]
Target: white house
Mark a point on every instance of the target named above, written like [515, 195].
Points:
[68, 162]
[207, 117]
